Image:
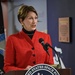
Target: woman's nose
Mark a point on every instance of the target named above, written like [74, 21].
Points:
[34, 20]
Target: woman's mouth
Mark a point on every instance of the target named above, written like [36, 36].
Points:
[33, 26]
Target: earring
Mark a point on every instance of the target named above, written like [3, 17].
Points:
[22, 25]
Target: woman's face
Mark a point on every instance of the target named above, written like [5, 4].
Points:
[30, 22]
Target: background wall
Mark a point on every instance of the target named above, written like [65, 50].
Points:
[56, 9]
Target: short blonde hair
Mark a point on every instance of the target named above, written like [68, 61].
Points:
[24, 10]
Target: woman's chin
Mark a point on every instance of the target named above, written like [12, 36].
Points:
[33, 29]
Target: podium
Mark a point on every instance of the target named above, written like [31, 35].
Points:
[22, 72]
[64, 71]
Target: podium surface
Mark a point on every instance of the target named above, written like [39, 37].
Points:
[64, 71]
[22, 72]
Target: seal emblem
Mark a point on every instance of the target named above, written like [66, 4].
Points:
[42, 69]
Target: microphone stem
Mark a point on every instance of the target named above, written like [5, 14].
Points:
[57, 55]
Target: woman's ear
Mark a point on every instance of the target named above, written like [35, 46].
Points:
[21, 22]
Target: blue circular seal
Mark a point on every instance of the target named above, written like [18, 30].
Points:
[42, 69]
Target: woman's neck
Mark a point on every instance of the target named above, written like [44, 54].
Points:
[29, 33]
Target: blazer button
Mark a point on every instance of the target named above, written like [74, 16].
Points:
[33, 48]
[34, 62]
[34, 55]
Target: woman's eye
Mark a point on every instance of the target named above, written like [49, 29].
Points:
[36, 17]
[30, 18]
[33, 18]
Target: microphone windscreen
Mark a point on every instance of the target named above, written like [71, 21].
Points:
[41, 40]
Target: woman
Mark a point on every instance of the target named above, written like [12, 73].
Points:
[23, 49]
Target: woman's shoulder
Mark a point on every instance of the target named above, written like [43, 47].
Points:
[13, 35]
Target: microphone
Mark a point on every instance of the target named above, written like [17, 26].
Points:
[41, 41]
[44, 45]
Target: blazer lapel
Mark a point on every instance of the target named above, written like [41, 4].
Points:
[27, 38]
